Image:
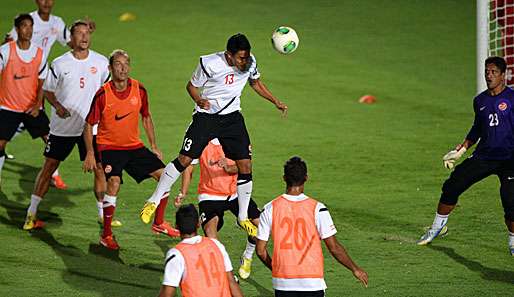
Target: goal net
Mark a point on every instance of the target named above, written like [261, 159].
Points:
[495, 32]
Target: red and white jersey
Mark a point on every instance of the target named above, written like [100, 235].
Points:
[75, 82]
[221, 83]
[175, 265]
[325, 227]
[46, 33]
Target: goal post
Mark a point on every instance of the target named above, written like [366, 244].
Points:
[482, 41]
[495, 36]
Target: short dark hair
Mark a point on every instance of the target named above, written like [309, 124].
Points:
[78, 23]
[186, 219]
[118, 52]
[295, 172]
[21, 17]
[498, 62]
[238, 42]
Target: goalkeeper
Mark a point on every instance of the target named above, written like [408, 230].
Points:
[493, 129]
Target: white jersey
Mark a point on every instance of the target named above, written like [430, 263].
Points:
[74, 83]
[46, 33]
[175, 266]
[326, 228]
[221, 83]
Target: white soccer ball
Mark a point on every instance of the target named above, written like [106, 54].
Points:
[285, 40]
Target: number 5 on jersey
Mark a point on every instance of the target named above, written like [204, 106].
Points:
[82, 83]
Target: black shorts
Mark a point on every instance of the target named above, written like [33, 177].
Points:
[37, 126]
[473, 170]
[230, 129]
[216, 208]
[138, 163]
[60, 147]
[279, 293]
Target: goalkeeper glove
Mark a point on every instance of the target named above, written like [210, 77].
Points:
[453, 155]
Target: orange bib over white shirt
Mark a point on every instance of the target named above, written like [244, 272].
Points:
[199, 265]
[297, 225]
[297, 248]
[18, 86]
[215, 183]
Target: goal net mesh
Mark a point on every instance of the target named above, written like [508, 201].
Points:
[501, 33]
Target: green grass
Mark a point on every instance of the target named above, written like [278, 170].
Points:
[377, 167]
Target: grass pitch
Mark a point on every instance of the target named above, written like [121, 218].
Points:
[377, 167]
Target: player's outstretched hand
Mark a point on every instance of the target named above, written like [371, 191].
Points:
[204, 104]
[362, 276]
[178, 200]
[453, 155]
[282, 107]
[89, 163]
[157, 152]
[62, 112]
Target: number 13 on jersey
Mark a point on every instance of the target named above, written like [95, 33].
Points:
[229, 79]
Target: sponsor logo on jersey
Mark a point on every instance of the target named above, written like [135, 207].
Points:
[18, 77]
[93, 70]
[502, 106]
[108, 169]
[118, 118]
[133, 101]
[54, 31]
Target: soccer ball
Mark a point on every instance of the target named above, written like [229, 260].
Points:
[285, 40]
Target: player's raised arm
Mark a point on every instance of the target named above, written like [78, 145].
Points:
[260, 88]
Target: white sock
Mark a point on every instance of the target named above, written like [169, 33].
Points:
[100, 207]
[250, 248]
[34, 203]
[511, 238]
[168, 178]
[439, 221]
[108, 201]
[2, 160]
[244, 193]
[56, 172]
